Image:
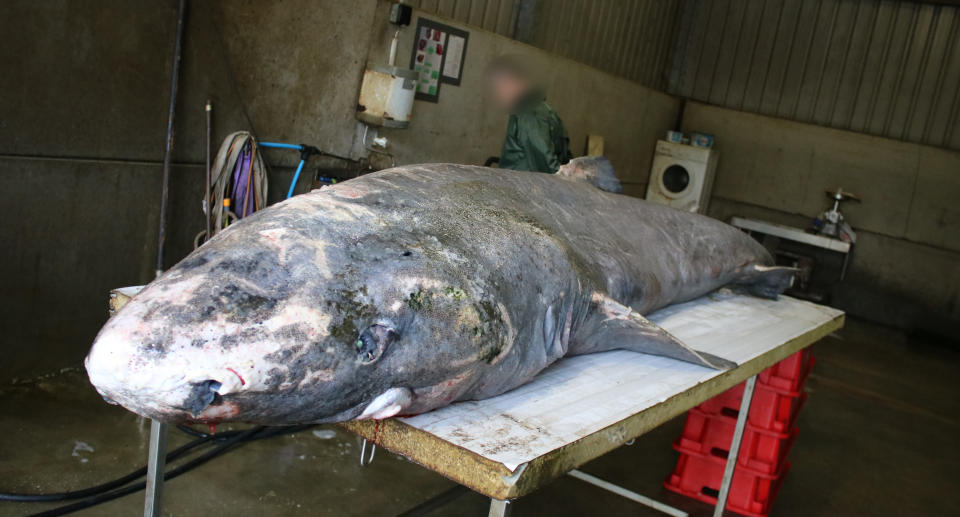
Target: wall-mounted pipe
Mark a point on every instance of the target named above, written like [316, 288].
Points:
[168, 150]
[208, 110]
[393, 48]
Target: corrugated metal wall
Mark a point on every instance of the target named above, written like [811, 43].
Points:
[498, 16]
[882, 67]
[629, 38]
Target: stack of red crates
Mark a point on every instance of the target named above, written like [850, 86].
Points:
[762, 467]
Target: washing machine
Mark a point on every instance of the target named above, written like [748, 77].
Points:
[682, 176]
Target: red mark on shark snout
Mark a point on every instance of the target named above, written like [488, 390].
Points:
[242, 382]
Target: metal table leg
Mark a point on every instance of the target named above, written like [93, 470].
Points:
[623, 492]
[156, 464]
[846, 261]
[499, 508]
[364, 459]
[734, 455]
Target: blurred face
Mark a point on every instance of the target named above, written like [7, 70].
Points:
[506, 89]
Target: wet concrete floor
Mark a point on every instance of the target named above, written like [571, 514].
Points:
[878, 436]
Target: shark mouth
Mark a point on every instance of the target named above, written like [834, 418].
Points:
[202, 395]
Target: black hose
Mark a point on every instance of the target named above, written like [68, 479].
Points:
[170, 474]
[186, 429]
[202, 438]
[77, 494]
[435, 502]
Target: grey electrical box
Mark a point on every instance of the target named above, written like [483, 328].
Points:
[400, 14]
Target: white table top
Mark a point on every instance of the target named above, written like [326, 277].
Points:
[791, 233]
[581, 395]
[583, 407]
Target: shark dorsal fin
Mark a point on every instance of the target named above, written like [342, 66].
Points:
[595, 170]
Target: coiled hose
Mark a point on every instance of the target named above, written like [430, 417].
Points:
[230, 154]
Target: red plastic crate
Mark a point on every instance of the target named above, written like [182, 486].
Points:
[791, 373]
[760, 450]
[751, 493]
[771, 409]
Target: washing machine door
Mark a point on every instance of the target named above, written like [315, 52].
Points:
[675, 180]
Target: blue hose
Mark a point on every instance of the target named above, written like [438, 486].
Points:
[276, 145]
[296, 176]
[305, 152]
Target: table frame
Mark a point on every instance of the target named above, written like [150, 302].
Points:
[498, 507]
[494, 480]
[501, 485]
[502, 508]
[797, 235]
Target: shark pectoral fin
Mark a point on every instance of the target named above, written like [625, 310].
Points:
[643, 335]
[388, 404]
[613, 325]
[715, 361]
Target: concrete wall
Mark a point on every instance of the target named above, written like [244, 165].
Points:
[83, 103]
[906, 264]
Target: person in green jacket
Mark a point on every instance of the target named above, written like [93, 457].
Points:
[536, 139]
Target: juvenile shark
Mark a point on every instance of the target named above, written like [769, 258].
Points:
[411, 288]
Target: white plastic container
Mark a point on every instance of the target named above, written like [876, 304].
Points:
[386, 96]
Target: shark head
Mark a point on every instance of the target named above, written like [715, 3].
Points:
[308, 315]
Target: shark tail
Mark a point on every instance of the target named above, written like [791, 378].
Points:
[767, 281]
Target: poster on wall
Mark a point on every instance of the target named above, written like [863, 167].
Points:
[438, 56]
[456, 50]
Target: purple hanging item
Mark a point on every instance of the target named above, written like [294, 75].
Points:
[241, 179]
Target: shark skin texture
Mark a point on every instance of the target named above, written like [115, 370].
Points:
[411, 288]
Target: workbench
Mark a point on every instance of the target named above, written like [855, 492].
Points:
[583, 407]
[790, 233]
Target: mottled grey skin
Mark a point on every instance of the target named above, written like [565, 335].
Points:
[468, 281]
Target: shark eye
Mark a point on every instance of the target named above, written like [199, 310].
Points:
[373, 341]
